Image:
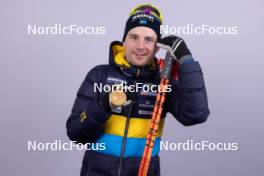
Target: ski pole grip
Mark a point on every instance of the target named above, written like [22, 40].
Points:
[166, 71]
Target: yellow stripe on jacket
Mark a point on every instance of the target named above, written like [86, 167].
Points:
[138, 128]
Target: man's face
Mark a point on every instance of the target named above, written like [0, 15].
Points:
[140, 45]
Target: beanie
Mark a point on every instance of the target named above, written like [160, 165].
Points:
[144, 15]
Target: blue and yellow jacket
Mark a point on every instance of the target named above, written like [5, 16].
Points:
[90, 121]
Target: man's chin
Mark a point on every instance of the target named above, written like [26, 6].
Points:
[139, 62]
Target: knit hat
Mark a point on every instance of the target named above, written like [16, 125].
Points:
[144, 15]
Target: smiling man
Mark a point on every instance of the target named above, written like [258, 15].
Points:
[140, 45]
[122, 128]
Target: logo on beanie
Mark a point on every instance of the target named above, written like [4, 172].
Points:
[143, 22]
[142, 16]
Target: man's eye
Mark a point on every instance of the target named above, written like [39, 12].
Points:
[133, 37]
[149, 40]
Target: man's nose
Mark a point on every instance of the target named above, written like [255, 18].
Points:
[140, 45]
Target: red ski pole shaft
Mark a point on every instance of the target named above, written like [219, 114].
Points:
[154, 125]
[153, 129]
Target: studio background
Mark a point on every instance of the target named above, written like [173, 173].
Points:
[40, 75]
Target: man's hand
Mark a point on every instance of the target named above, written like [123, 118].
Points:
[116, 99]
[175, 45]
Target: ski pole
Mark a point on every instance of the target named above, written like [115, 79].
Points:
[156, 115]
[125, 138]
[119, 98]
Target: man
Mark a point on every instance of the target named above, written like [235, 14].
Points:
[96, 120]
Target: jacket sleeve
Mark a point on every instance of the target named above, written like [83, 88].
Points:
[88, 114]
[188, 100]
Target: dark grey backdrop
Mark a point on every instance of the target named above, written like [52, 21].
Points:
[41, 74]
